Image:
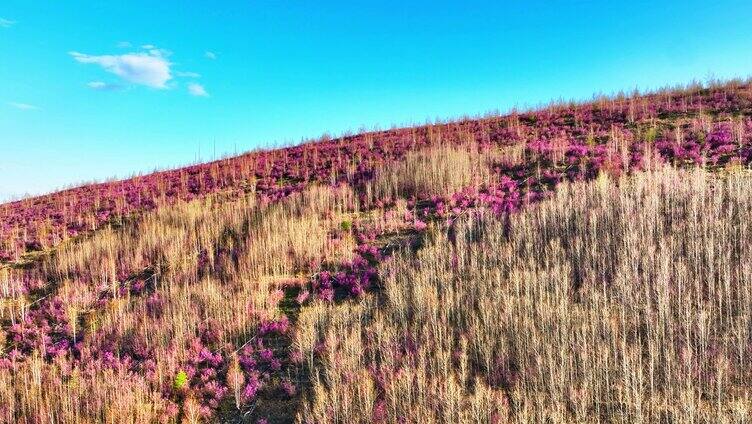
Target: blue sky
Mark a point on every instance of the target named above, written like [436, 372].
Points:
[92, 90]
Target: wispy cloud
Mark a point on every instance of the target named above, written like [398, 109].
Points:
[197, 90]
[210, 55]
[23, 106]
[124, 45]
[151, 68]
[6, 23]
[187, 74]
[103, 86]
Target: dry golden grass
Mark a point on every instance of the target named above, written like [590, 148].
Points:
[38, 393]
[441, 170]
[616, 301]
[622, 300]
[271, 245]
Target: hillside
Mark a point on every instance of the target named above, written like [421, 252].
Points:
[41, 222]
[579, 262]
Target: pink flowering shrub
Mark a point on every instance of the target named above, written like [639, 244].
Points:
[278, 326]
[205, 373]
[45, 329]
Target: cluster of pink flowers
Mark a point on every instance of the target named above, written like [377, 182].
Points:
[352, 278]
[274, 326]
[45, 328]
[260, 364]
[205, 369]
[716, 147]
[130, 353]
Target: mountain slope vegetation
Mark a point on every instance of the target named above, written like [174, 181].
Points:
[579, 262]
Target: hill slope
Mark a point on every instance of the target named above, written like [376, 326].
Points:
[559, 264]
[40, 222]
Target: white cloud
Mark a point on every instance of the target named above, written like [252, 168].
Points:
[150, 69]
[23, 106]
[97, 85]
[210, 55]
[6, 23]
[103, 86]
[197, 90]
[187, 74]
[124, 45]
